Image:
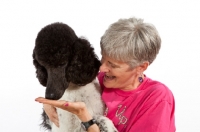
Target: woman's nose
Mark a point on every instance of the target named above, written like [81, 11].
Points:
[103, 68]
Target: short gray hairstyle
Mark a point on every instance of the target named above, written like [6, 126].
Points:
[131, 41]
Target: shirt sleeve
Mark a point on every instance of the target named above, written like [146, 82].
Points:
[159, 117]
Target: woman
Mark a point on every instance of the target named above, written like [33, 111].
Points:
[135, 103]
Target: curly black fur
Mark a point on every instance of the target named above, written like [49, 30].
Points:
[60, 57]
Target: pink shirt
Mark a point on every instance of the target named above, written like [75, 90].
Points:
[149, 108]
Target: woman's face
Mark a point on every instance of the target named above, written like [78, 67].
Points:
[118, 74]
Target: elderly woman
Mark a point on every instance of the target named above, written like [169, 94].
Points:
[135, 103]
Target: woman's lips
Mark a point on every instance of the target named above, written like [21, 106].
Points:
[108, 78]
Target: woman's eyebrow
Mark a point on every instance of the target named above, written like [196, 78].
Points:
[114, 64]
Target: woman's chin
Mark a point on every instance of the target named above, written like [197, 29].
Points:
[108, 84]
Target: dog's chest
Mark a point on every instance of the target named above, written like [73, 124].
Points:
[91, 95]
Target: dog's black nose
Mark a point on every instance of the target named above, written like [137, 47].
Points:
[54, 95]
[50, 96]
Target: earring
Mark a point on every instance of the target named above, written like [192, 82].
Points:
[140, 79]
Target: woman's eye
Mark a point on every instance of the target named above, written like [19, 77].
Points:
[112, 65]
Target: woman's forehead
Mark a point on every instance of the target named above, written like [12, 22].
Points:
[112, 60]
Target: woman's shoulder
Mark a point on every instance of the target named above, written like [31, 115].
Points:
[158, 90]
[155, 85]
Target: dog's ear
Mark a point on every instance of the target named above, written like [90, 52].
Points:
[41, 72]
[85, 64]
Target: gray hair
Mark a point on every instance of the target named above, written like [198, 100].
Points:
[131, 41]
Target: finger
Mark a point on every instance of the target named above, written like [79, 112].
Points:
[55, 115]
[56, 122]
[56, 103]
[47, 101]
[40, 99]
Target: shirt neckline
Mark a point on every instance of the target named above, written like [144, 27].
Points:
[130, 92]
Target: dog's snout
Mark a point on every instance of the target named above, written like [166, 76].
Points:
[56, 83]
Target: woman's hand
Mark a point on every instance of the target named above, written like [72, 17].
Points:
[51, 113]
[77, 108]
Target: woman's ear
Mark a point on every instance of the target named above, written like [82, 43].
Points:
[142, 67]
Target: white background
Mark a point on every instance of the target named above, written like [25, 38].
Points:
[177, 65]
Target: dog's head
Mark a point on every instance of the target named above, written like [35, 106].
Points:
[60, 57]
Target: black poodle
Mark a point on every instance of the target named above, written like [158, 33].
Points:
[67, 66]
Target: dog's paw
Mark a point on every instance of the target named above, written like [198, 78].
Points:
[105, 124]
